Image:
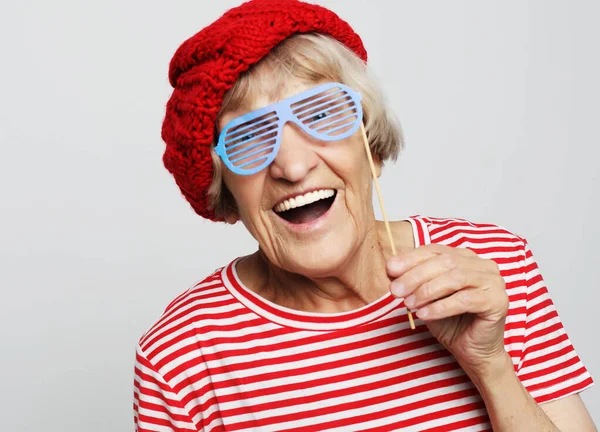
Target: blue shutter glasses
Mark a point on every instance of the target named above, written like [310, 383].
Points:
[329, 112]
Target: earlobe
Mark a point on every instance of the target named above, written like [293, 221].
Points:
[378, 165]
[231, 218]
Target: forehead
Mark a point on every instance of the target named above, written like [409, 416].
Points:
[267, 96]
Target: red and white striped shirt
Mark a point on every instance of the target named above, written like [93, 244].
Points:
[221, 358]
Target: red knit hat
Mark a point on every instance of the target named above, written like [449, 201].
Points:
[208, 64]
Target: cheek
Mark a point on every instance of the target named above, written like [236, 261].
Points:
[247, 192]
[349, 162]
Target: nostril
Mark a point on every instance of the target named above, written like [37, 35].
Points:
[294, 161]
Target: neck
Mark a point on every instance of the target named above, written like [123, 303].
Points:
[361, 279]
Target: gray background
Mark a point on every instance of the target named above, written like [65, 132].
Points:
[498, 99]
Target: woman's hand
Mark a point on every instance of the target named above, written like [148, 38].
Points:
[461, 297]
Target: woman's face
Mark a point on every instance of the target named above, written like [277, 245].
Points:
[313, 239]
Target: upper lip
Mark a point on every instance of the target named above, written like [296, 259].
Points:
[295, 194]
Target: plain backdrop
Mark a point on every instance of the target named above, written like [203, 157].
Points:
[499, 101]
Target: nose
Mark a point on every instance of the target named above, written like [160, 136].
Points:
[296, 156]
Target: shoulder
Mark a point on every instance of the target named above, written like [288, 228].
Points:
[180, 318]
[484, 238]
[444, 229]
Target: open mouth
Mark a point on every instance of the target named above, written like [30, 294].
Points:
[306, 208]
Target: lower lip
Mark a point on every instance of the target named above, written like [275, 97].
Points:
[313, 224]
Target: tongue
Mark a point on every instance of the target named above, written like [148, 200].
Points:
[307, 213]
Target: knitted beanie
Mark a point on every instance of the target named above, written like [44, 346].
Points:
[208, 64]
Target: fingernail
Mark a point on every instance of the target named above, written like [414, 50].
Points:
[422, 313]
[398, 289]
[409, 301]
[395, 265]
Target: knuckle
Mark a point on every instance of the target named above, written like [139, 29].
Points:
[450, 261]
[493, 266]
[411, 279]
[501, 283]
[459, 277]
[465, 299]
[425, 291]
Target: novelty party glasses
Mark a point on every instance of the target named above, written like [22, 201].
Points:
[329, 112]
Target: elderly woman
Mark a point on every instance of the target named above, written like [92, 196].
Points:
[312, 332]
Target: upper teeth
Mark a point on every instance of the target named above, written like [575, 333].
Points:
[302, 200]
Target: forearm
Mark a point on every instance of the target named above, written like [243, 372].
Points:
[509, 405]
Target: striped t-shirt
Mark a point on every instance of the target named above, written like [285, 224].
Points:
[221, 358]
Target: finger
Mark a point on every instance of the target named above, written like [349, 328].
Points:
[448, 283]
[491, 305]
[436, 265]
[404, 261]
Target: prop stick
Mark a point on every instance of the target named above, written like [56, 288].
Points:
[385, 219]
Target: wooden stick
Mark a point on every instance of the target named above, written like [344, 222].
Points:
[379, 196]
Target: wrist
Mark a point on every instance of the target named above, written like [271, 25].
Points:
[492, 371]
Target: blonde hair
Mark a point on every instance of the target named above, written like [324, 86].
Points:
[309, 57]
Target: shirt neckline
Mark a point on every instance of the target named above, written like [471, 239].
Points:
[288, 317]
